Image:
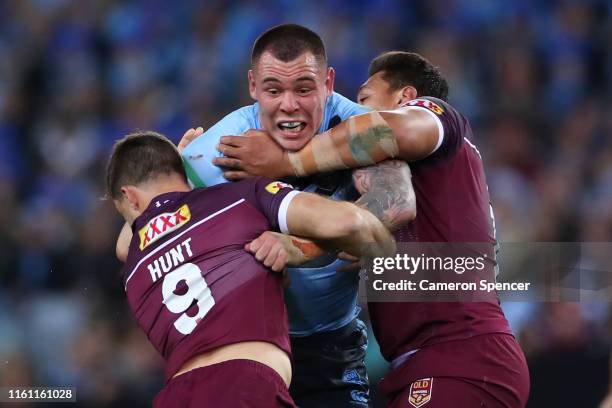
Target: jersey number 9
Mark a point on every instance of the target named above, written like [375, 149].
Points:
[197, 290]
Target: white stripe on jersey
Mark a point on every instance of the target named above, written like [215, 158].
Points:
[438, 122]
[282, 211]
[473, 146]
[165, 244]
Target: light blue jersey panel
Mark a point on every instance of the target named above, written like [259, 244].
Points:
[198, 155]
[319, 299]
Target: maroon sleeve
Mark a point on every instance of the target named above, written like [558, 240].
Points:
[267, 196]
[454, 125]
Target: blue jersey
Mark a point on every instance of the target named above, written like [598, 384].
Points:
[318, 299]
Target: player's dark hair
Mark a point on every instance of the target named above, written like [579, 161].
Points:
[286, 42]
[140, 157]
[402, 68]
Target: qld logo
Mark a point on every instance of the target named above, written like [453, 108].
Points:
[420, 392]
[275, 186]
[162, 225]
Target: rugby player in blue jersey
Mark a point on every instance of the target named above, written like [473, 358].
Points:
[293, 87]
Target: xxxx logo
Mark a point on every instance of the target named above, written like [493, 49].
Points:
[162, 225]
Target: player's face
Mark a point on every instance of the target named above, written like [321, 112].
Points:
[291, 97]
[376, 94]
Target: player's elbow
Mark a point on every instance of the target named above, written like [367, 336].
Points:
[404, 212]
[408, 212]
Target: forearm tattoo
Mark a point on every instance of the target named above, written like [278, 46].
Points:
[359, 141]
[387, 192]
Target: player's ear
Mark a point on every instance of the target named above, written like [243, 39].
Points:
[329, 81]
[131, 196]
[252, 88]
[406, 94]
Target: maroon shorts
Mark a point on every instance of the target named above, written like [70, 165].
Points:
[483, 371]
[233, 383]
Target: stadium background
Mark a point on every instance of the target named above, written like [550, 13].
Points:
[534, 78]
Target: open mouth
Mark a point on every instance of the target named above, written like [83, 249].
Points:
[291, 127]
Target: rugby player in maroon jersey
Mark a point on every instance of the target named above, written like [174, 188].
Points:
[192, 276]
[459, 354]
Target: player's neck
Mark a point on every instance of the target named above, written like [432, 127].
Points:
[170, 186]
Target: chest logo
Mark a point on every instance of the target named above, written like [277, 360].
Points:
[420, 392]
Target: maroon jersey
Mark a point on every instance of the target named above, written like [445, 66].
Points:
[191, 285]
[452, 206]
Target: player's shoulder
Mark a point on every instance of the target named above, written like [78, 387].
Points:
[234, 123]
[443, 112]
[453, 126]
[241, 119]
[199, 154]
[344, 107]
[248, 113]
[435, 105]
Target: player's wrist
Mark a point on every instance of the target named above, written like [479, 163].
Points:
[292, 165]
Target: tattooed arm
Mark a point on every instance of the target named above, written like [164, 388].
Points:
[386, 191]
[408, 134]
[333, 225]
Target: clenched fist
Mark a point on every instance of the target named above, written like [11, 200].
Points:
[254, 153]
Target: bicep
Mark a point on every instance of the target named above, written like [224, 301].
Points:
[417, 131]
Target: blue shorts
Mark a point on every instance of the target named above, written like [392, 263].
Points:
[329, 368]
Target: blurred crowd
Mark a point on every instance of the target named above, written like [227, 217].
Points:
[533, 77]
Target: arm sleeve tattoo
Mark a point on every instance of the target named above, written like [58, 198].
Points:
[387, 192]
[359, 141]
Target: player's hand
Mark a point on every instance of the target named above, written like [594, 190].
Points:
[354, 266]
[123, 242]
[274, 250]
[188, 137]
[254, 153]
[607, 402]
